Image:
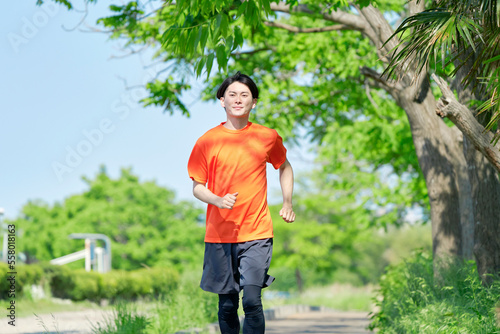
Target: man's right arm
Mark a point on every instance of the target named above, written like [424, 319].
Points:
[201, 192]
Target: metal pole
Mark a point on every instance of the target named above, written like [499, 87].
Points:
[97, 236]
[87, 255]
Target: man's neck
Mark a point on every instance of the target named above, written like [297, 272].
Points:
[236, 123]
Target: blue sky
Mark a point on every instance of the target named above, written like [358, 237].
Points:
[65, 110]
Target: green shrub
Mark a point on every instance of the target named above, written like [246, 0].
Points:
[411, 300]
[121, 284]
[142, 283]
[129, 285]
[87, 285]
[110, 285]
[154, 282]
[77, 285]
[61, 281]
[164, 281]
[4, 284]
[26, 275]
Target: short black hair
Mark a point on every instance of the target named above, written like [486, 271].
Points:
[239, 77]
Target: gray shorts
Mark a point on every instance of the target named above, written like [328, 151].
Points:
[228, 267]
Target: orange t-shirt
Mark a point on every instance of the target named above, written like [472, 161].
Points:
[235, 161]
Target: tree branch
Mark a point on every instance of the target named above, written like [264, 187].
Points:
[381, 30]
[462, 117]
[379, 82]
[351, 21]
[85, 13]
[131, 52]
[306, 30]
[418, 83]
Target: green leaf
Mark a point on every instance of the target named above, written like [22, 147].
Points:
[496, 58]
[188, 44]
[224, 25]
[220, 51]
[200, 66]
[198, 38]
[238, 37]
[242, 9]
[204, 38]
[209, 64]
[218, 20]
[230, 44]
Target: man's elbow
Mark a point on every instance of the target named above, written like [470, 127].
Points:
[196, 188]
[286, 165]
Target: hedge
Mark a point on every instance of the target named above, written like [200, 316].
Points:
[82, 285]
[25, 276]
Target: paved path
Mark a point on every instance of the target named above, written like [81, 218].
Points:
[282, 320]
[71, 322]
[320, 322]
[298, 319]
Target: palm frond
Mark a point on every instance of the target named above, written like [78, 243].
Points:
[432, 33]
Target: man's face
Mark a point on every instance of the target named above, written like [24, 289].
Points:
[238, 100]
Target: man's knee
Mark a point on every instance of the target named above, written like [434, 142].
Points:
[228, 304]
[252, 299]
[228, 314]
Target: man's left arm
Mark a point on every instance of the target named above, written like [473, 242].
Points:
[286, 181]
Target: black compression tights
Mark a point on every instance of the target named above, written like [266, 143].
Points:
[252, 305]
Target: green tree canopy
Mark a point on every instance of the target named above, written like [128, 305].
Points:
[319, 65]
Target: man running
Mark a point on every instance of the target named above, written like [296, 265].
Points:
[228, 169]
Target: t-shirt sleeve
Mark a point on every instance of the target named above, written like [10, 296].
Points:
[197, 164]
[277, 154]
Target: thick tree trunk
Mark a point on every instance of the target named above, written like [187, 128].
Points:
[463, 188]
[442, 162]
[484, 187]
[439, 153]
[486, 203]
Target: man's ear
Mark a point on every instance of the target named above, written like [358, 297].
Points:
[222, 102]
[254, 103]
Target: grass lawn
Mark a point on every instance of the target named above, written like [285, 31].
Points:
[340, 297]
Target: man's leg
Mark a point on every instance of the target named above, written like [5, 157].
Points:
[228, 313]
[254, 315]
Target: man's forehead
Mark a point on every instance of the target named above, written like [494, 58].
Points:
[238, 87]
[238, 91]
